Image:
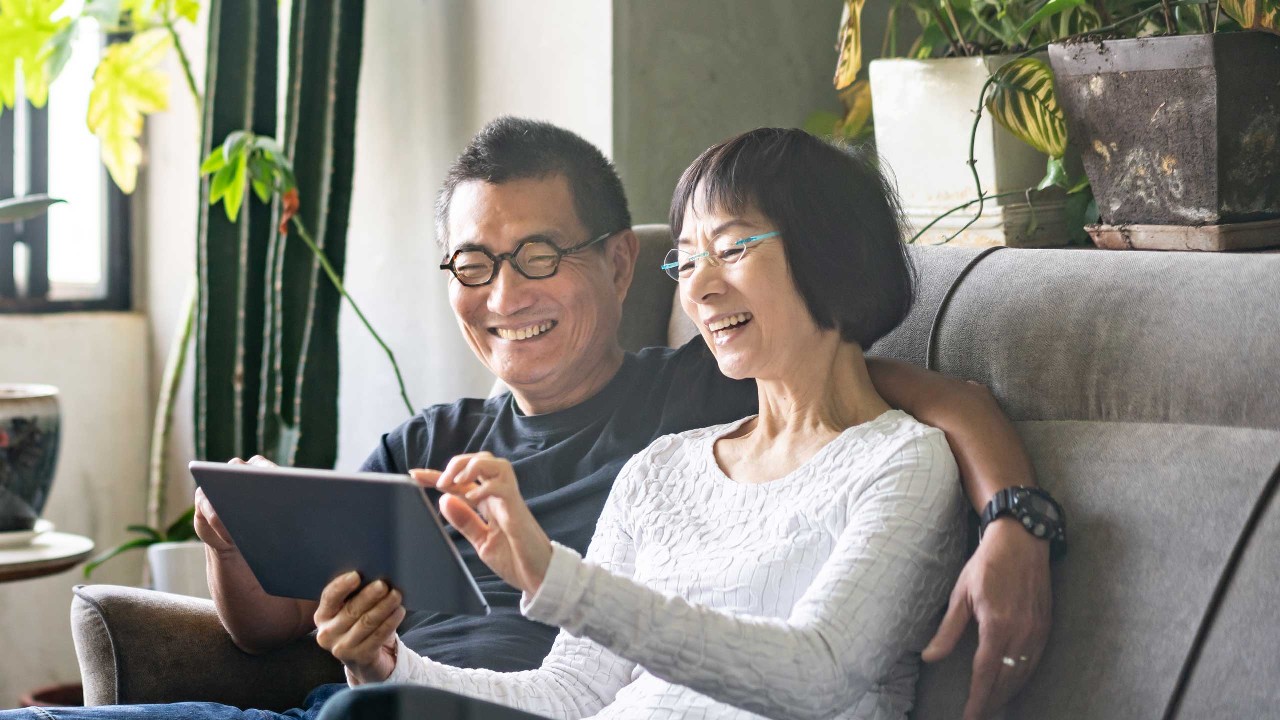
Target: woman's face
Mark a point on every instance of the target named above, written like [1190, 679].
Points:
[748, 311]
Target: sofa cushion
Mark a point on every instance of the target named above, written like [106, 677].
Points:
[1154, 512]
[1140, 337]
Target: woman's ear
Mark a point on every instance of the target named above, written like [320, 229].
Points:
[622, 250]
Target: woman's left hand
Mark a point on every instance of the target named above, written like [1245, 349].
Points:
[482, 500]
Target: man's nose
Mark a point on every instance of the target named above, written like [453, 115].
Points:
[509, 293]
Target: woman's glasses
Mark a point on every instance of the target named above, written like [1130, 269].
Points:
[679, 264]
[536, 259]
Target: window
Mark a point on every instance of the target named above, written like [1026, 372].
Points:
[77, 256]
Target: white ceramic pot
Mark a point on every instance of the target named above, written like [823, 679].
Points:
[923, 113]
[178, 567]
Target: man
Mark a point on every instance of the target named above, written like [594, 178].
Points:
[537, 235]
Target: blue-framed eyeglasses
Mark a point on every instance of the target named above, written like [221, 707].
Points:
[679, 264]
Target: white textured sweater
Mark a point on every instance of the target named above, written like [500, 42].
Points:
[809, 596]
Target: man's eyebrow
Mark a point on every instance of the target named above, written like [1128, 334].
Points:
[473, 245]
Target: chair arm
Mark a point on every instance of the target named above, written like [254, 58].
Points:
[141, 646]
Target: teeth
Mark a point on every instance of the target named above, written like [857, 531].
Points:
[524, 333]
[730, 321]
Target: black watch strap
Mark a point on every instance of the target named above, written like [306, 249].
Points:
[1033, 508]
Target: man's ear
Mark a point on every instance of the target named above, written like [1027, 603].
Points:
[622, 250]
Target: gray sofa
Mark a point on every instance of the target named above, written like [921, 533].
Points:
[1144, 385]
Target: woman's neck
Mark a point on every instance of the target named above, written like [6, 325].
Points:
[800, 412]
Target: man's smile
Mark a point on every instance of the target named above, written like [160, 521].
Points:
[523, 332]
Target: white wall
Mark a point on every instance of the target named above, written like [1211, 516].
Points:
[433, 74]
[99, 363]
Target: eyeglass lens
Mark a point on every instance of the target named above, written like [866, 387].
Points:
[537, 259]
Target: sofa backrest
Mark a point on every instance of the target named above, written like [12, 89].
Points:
[1146, 390]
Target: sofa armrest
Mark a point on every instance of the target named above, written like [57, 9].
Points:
[141, 646]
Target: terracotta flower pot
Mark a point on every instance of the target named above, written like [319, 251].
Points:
[29, 423]
[68, 695]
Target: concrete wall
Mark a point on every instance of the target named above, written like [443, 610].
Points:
[688, 75]
[99, 362]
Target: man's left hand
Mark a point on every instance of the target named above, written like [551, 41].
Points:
[1006, 587]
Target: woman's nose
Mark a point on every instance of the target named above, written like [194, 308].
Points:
[706, 280]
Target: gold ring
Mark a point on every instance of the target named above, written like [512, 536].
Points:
[1008, 661]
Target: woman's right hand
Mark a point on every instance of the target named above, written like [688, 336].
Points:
[208, 527]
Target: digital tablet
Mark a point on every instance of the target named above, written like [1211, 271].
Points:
[299, 529]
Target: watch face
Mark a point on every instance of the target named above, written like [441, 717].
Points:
[1041, 506]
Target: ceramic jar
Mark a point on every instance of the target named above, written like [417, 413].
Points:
[29, 429]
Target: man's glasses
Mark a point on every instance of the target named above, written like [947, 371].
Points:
[679, 264]
[536, 259]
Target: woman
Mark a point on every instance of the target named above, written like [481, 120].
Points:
[790, 564]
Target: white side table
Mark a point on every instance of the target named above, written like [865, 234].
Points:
[48, 553]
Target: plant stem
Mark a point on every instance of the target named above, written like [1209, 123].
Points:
[186, 65]
[958, 208]
[337, 283]
[964, 44]
[982, 96]
[1168, 17]
[942, 25]
[163, 421]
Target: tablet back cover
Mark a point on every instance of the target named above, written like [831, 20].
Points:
[299, 529]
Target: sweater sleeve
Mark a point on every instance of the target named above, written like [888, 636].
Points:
[874, 599]
[579, 676]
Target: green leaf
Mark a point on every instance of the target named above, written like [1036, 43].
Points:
[821, 123]
[1051, 8]
[221, 180]
[235, 191]
[182, 529]
[262, 190]
[147, 530]
[188, 10]
[126, 86]
[58, 50]
[122, 547]
[25, 208]
[1023, 101]
[1055, 175]
[26, 28]
[268, 145]
[106, 12]
[235, 144]
[214, 162]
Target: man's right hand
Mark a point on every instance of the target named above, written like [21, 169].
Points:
[208, 527]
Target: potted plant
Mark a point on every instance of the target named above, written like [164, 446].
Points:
[262, 314]
[1178, 131]
[944, 159]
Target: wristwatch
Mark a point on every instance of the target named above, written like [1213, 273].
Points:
[1038, 512]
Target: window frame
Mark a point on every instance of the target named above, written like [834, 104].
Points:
[34, 233]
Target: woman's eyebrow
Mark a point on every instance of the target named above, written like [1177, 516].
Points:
[718, 230]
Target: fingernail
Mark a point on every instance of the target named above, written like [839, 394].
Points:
[353, 575]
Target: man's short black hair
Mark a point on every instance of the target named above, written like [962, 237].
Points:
[511, 148]
[840, 220]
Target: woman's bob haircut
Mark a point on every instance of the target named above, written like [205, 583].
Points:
[838, 215]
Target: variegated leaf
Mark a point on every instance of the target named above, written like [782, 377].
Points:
[1023, 101]
[1254, 14]
[849, 44]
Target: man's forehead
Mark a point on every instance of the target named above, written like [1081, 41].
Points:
[504, 213]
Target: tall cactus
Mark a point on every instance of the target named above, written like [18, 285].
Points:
[240, 94]
[298, 409]
[267, 343]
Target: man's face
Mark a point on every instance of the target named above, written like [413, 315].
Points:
[543, 338]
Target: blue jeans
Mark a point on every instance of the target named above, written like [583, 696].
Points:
[310, 710]
[374, 702]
